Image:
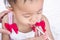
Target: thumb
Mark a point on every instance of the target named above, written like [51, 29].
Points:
[4, 31]
[2, 14]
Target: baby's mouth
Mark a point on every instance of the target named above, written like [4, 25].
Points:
[31, 25]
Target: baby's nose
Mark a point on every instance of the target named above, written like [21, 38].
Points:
[33, 21]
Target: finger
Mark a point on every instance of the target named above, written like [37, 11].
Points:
[36, 33]
[46, 36]
[4, 31]
[2, 14]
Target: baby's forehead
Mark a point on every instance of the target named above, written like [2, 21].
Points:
[30, 11]
[35, 6]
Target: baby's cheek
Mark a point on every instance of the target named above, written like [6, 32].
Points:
[24, 21]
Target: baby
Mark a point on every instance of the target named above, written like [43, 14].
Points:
[25, 14]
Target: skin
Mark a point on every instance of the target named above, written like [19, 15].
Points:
[26, 15]
[2, 14]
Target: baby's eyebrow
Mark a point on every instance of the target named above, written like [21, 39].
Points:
[27, 13]
[31, 13]
[27, 0]
[39, 10]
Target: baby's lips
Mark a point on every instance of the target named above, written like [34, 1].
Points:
[32, 26]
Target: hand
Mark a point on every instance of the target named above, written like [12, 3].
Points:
[2, 14]
[4, 31]
[37, 38]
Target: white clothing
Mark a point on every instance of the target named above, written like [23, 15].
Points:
[21, 36]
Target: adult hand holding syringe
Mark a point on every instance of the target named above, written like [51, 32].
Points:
[40, 25]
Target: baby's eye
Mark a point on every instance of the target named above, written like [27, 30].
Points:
[38, 13]
[26, 16]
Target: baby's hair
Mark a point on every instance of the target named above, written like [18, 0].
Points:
[14, 1]
[11, 2]
[26, 0]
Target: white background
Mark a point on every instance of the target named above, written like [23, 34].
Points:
[51, 10]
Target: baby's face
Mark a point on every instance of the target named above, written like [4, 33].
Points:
[28, 12]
